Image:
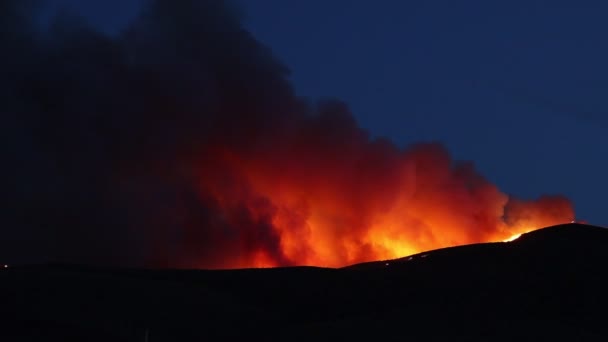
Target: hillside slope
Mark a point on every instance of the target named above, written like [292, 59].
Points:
[549, 283]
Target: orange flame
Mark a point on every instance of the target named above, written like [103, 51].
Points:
[366, 204]
[513, 237]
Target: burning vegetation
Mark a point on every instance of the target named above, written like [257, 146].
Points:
[180, 143]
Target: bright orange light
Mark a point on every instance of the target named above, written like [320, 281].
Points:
[330, 208]
[512, 238]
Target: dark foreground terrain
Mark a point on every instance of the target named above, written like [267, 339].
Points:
[549, 284]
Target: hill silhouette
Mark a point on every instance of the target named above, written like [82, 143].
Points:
[550, 283]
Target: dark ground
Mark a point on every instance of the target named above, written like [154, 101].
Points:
[549, 284]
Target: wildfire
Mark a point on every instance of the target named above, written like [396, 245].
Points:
[323, 210]
[181, 143]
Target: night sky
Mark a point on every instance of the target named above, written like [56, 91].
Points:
[210, 134]
[516, 87]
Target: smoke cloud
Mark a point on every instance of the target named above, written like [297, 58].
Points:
[181, 143]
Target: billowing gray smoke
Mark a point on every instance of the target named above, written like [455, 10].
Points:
[101, 131]
[154, 147]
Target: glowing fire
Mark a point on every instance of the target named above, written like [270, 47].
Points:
[512, 238]
[334, 210]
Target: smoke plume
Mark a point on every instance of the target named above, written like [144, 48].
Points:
[181, 143]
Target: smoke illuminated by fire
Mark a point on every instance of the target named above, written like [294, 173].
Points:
[365, 200]
[180, 143]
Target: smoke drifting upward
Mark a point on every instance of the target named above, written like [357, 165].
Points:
[180, 143]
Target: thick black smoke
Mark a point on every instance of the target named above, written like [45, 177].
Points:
[103, 133]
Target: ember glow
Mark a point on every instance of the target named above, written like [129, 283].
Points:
[513, 237]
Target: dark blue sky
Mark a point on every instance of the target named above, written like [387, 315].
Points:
[518, 87]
